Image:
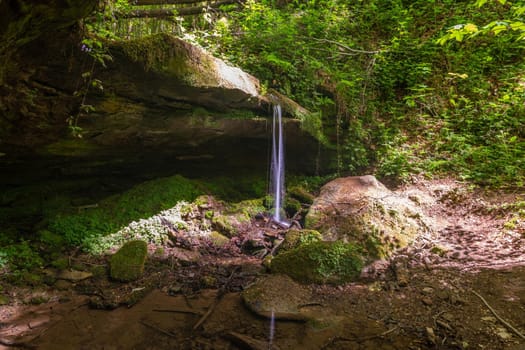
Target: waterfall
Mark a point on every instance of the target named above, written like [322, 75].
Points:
[272, 331]
[277, 164]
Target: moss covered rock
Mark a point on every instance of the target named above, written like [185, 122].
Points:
[218, 240]
[320, 262]
[294, 238]
[127, 264]
[363, 211]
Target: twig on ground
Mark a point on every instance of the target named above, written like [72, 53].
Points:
[169, 334]
[209, 312]
[249, 343]
[222, 291]
[179, 311]
[359, 340]
[508, 325]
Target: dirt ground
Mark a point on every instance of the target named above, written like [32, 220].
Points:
[462, 287]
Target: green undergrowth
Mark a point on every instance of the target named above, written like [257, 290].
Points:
[141, 201]
[235, 188]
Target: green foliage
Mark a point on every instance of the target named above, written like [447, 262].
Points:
[395, 87]
[19, 257]
[513, 26]
[236, 188]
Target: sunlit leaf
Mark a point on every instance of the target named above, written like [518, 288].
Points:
[499, 28]
[517, 25]
[471, 28]
[480, 3]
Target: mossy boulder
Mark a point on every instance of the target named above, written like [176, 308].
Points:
[127, 264]
[236, 217]
[218, 240]
[320, 262]
[225, 224]
[294, 238]
[363, 211]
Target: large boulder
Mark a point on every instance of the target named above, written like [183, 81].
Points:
[320, 262]
[362, 211]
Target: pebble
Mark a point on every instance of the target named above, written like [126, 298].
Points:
[427, 290]
[427, 301]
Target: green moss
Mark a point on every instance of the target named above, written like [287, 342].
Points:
[235, 189]
[218, 239]
[320, 262]
[247, 208]
[301, 194]
[142, 201]
[292, 206]
[168, 54]
[127, 264]
[225, 224]
[295, 238]
[74, 147]
[60, 263]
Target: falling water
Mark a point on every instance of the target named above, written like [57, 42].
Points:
[277, 163]
[272, 331]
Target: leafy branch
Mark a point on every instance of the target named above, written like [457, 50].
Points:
[514, 26]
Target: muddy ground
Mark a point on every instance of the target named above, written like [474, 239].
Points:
[462, 287]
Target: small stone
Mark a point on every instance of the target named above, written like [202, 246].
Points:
[427, 301]
[38, 321]
[63, 284]
[73, 275]
[402, 278]
[431, 336]
[448, 317]
[427, 290]
[174, 289]
[503, 333]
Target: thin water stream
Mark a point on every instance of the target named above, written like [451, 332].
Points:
[277, 164]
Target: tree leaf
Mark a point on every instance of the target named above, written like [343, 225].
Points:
[480, 3]
[471, 28]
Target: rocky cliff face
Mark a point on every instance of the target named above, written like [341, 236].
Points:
[164, 104]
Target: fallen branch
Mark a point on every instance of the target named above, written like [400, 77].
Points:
[250, 343]
[179, 311]
[359, 340]
[222, 291]
[508, 325]
[169, 334]
[210, 311]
